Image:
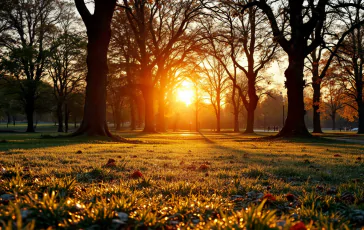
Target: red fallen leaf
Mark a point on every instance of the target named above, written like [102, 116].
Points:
[269, 197]
[137, 174]
[319, 187]
[206, 174]
[134, 156]
[269, 187]
[204, 167]
[290, 197]
[358, 158]
[337, 155]
[25, 169]
[298, 226]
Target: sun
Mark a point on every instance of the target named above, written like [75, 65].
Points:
[185, 93]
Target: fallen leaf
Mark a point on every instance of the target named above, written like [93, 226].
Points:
[290, 197]
[137, 174]
[337, 155]
[298, 226]
[269, 197]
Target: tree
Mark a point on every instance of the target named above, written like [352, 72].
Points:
[29, 24]
[299, 19]
[66, 64]
[10, 104]
[216, 84]
[249, 40]
[123, 57]
[157, 27]
[98, 35]
[351, 59]
[334, 98]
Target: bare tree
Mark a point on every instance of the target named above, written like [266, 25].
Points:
[216, 85]
[251, 46]
[157, 27]
[66, 64]
[292, 26]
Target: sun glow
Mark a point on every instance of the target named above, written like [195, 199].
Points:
[185, 93]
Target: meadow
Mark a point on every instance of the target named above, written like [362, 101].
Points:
[181, 180]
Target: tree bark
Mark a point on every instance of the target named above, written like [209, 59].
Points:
[359, 100]
[99, 34]
[361, 118]
[252, 104]
[250, 121]
[295, 122]
[316, 85]
[149, 110]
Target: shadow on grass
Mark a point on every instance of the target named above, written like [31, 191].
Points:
[35, 141]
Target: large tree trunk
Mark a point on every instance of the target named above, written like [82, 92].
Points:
[316, 85]
[60, 116]
[361, 118]
[149, 110]
[99, 34]
[295, 122]
[359, 100]
[250, 121]
[252, 105]
[29, 111]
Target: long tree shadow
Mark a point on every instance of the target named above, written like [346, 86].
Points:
[35, 141]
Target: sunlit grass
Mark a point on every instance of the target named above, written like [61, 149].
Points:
[188, 180]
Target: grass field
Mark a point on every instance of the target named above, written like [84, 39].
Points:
[181, 180]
